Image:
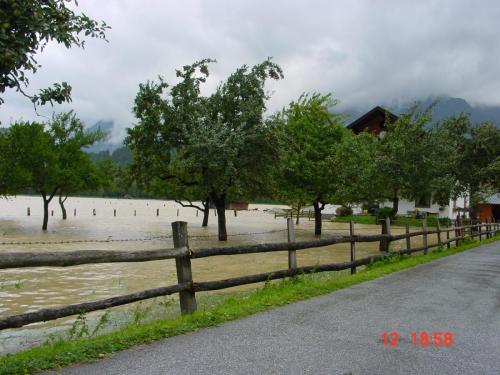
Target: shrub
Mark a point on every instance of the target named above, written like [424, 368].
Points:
[343, 211]
[385, 212]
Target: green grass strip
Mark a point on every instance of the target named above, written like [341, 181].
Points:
[398, 222]
[67, 352]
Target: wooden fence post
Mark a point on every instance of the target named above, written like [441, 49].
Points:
[448, 245]
[235, 213]
[424, 238]
[183, 265]
[480, 230]
[353, 246]
[438, 229]
[292, 254]
[408, 238]
[386, 229]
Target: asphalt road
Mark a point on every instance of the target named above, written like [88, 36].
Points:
[340, 333]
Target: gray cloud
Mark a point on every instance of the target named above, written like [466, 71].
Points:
[364, 52]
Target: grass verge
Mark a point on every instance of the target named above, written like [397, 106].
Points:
[399, 222]
[63, 353]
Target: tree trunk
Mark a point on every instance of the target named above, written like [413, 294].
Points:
[45, 212]
[220, 206]
[318, 207]
[206, 212]
[395, 205]
[61, 203]
[46, 202]
[472, 204]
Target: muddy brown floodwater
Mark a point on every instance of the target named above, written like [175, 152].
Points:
[136, 226]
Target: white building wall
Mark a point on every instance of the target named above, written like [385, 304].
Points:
[406, 206]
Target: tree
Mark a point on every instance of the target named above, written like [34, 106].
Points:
[77, 172]
[406, 161]
[470, 154]
[310, 134]
[48, 158]
[26, 27]
[220, 145]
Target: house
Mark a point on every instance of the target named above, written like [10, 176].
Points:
[375, 121]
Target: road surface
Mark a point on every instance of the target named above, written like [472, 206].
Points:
[340, 333]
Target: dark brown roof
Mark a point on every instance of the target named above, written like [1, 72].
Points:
[357, 125]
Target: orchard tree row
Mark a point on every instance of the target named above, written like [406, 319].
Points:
[223, 147]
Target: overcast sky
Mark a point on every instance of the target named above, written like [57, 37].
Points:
[364, 52]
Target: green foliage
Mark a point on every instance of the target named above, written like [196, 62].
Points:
[309, 135]
[26, 27]
[322, 162]
[343, 211]
[385, 212]
[48, 158]
[192, 146]
[471, 157]
[408, 159]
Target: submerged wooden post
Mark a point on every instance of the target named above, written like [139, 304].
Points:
[157, 212]
[197, 211]
[292, 254]
[353, 246]
[235, 213]
[52, 213]
[408, 238]
[28, 211]
[424, 238]
[114, 212]
[438, 228]
[74, 212]
[177, 212]
[93, 212]
[135, 212]
[187, 299]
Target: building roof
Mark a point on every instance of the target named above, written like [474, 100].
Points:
[358, 125]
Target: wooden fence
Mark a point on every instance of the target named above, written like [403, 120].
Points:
[182, 254]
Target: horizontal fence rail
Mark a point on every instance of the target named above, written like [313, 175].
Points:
[187, 288]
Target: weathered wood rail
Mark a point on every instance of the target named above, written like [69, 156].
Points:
[182, 254]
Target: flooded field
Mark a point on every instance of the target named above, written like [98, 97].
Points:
[138, 224]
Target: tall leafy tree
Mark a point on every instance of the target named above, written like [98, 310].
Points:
[405, 160]
[26, 27]
[48, 158]
[470, 154]
[221, 145]
[77, 172]
[310, 134]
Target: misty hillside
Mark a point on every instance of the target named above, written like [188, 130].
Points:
[106, 144]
